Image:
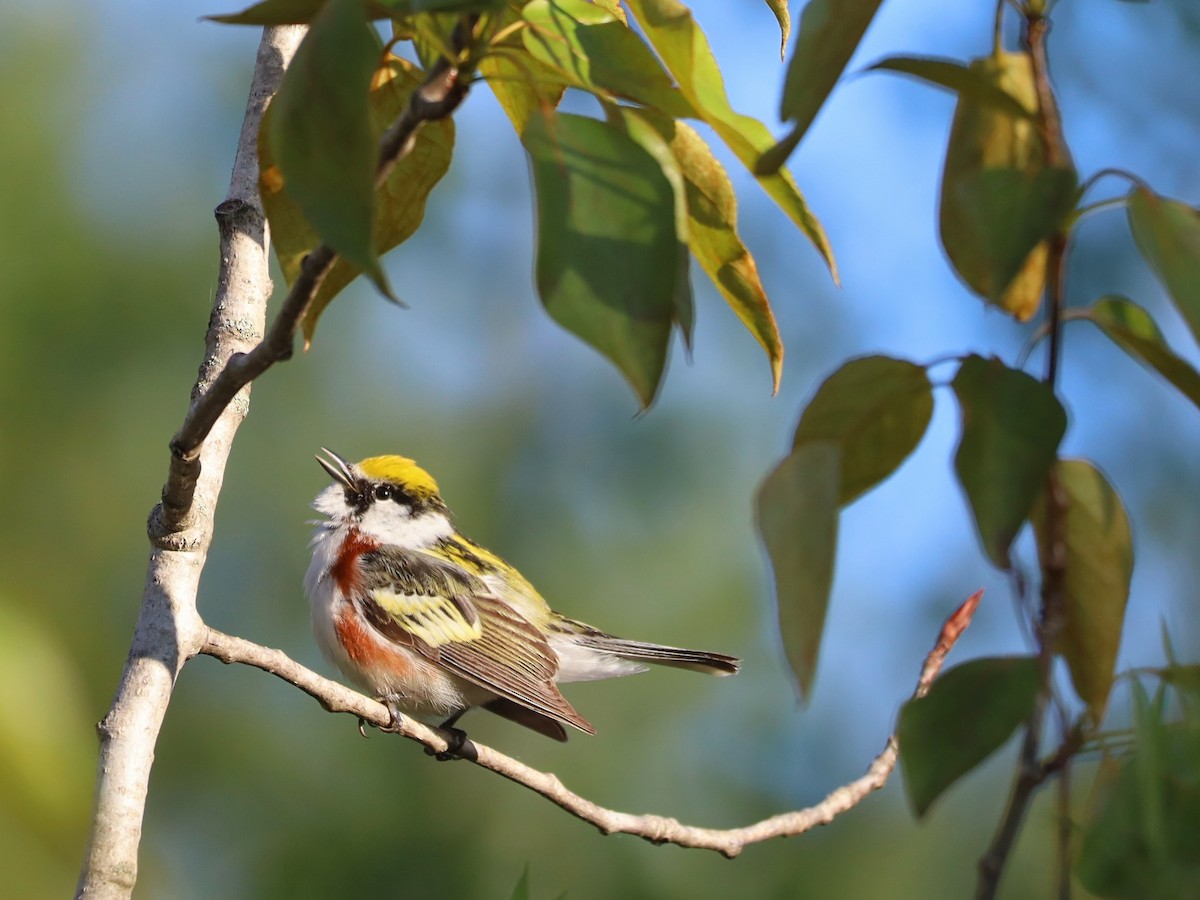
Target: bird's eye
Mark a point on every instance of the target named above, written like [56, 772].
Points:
[383, 492]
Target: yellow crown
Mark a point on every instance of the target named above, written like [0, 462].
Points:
[402, 471]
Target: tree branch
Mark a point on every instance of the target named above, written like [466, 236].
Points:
[169, 630]
[656, 829]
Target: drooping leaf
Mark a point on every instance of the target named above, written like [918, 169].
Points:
[876, 409]
[1099, 565]
[641, 126]
[1000, 201]
[399, 203]
[320, 134]
[994, 224]
[711, 211]
[1168, 234]
[594, 50]
[685, 51]
[966, 81]
[274, 12]
[1011, 427]
[1133, 330]
[968, 714]
[606, 222]
[784, 18]
[797, 514]
[830, 31]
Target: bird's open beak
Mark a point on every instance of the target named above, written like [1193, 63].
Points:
[338, 469]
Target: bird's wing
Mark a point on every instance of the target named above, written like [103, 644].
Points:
[451, 618]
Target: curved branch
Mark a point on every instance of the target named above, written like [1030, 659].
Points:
[656, 829]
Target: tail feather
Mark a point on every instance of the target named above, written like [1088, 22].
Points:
[675, 657]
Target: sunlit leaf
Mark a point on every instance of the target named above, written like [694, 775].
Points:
[1000, 201]
[1011, 427]
[797, 512]
[1168, 234]
[522, 89]
[711, 211]
[650, 131]
[274, 12]
[606, 222]
[1133, 330]
[968, 714]
[669, 26]
[1099, 564]
[594, 50]
[320, 133]
[784, 18]
[830, 31]
[399, 203]
[966, 81]
[876, 409]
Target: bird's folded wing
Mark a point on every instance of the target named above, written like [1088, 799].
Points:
[445, 615]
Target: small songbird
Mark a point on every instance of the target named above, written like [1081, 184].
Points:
[430, 622]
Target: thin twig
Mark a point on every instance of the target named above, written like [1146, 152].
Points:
[438, 96]
[656, 829]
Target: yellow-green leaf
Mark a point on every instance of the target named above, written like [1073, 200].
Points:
[1133, 330]
[1000, 202]
[967, 715]
[399, 203]
[521, 88]
[606, 222]
[710, 211]
[320, 135]
[1099, 565]
[650, 131]
[1011, 427]
[274, 12]
[971, 82]
[594, 50]
[1168, 234]
[797, 513]
[876, 409]
[685, 51]
[784, 18]
[830, 31]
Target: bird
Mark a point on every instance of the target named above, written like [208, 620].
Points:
[433, 624]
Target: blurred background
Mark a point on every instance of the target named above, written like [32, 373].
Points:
[120, 121]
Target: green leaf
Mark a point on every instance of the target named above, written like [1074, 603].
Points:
[1011, 428]
[994, 218]
[687, 55]
[1168, 234]
[784, 18]
[274, 12]
[876, 409]
[967, 715]
[606, 222]
[710, 209]
[594, 50]
[1099, 565]
[399, 202]
[830, 31]
[797, 513]
[1133, 330]
[644, 127]
[522, 89]
[963, 80]
[320, 133]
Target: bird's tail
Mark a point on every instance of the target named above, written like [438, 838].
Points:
[643, 652]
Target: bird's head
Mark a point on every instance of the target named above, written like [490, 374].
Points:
[388, 498]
